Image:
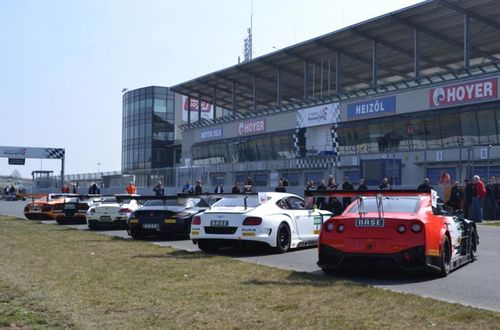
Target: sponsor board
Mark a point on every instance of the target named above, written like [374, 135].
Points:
[372, 108]
[25, 152]
[251, 127]
[316, 116]
[471, 92]
[212, 133]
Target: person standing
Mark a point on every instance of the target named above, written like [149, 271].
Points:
[158, 189]
[131, 189]
[456, 197]
[479, 194]
[385, 185]
[445, 178]
[280, 187]
[187, 188]
[219, 189]
[491, 201]
[94, 189]
[236, 188]
[321, 201]
[362, 185]
[284, 181]
[425, 186]
[347, 185]
[469, 193]
[198, 189]
[332, 183]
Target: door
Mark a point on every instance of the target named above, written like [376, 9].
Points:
[304, 221]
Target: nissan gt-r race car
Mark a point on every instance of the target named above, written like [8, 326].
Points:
[111, 212]
[278, 220]
[73, 209]
[42, 205]
[164, 216]
[409, 230]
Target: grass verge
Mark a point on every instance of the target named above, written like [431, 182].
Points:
[79, 279]
[491, 223]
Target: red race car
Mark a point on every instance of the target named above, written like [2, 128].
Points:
[406, 229]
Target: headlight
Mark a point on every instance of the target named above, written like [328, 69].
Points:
[91, 211]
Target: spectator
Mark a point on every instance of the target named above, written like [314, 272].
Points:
[310, 185]
[198, 189]
[469, 193]
[332, 184]
[158, 189]
[425, 186]
[284, 181]
[491, 201]
[74, 189]
[219, 189]
[280, 187]
[321, 201]
[347, 185]
[131, 189]
[385, 185]
[335, 206]
[236, 188]
[248, 185]
[362, 185]
[187, 188]
[445, 178]
[456, 197]
[479, 194]
[94, 189]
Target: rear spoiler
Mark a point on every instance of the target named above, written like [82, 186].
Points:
[213, 196]
[366, 193]
[122, 197]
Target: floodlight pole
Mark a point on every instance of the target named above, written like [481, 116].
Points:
[62, 171]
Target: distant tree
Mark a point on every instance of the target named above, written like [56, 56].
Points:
[15, 174]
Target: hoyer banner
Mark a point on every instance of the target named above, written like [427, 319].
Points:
[471, 92]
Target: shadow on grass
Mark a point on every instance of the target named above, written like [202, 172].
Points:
[177, 254]
[301, 278]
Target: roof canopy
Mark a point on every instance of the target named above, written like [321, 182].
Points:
[430, 42]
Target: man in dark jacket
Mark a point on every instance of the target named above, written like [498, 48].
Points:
[425, 186]
[362, 184]
[347, 185]
[158, 189]
[198, 189]
[236, 188]
[469, 193]
[456, 197]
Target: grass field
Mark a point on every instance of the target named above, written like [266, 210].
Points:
[55, 277]
[495, 223]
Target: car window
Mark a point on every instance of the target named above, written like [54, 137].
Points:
[389, 204]
[282, 204]
[237, 201]
[296, 203]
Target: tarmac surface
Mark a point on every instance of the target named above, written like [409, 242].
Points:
[475, 284]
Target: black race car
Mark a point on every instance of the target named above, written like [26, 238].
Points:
[164, 216]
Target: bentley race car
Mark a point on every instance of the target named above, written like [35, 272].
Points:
[42, 205]
[73, 209]
[164, 216]
[278, 220]
[409, 230]
[111, 212]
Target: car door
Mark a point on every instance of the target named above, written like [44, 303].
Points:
[304, 221]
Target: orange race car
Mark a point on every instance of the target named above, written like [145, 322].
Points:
[73, 209]
[41, 206]
[409, 230]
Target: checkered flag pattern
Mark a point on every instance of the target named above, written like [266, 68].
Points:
[335, 140]
[311, 162]
[54, 153]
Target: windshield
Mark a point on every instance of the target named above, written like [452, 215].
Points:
[390, 204]
[237, 201]
[107, 200]
[189, 202]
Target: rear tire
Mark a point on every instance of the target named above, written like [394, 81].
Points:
[207, 246]
[136, 234]
[445, 257]
[473, 244]
[283, 238]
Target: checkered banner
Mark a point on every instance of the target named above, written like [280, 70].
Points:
[54, 153]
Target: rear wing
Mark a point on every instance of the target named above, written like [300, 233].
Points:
[215, 197]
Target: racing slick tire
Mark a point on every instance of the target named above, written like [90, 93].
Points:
[283, 238]
[473, 244]
[92, 225]
[137, 234]
[207, 246]
[445, 257]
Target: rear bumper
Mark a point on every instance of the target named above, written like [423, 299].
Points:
[407, 260]
[38, 216]
[179, 228]
[74, 219]
[107, 224]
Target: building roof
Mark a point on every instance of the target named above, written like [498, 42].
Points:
[382, 47]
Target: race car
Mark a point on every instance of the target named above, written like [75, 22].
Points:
[164, 216]
[111, 212]
[73, 209]
[277, 220]
[42, 205]
[409, 230]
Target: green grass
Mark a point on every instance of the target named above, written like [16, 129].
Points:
[55, 277]
[495, 223]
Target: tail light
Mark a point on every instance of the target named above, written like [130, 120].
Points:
[252, 221]
[329, 226]
[126, 210]
[340, 228]
[401, 229]
[26, 208]
[196, 220]
[47, 208]
[416, 227]
[91, 211]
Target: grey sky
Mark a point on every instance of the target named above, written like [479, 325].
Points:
[63, 64]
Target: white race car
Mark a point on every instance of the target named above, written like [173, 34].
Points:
[111, 212]
[279, 220]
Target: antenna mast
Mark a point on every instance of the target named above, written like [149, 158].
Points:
[247, 51]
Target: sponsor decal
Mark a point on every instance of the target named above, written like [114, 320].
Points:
[251, 127]
[262, 197]
[213, 133]
[470, 92]
[318, 219]
[369, 222]
[434, 252]
[19, 152]
[372, 108]
[205, 106]
[316, 232]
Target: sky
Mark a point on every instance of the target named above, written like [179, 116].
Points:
[63, 64]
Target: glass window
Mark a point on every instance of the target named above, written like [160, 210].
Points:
[260, 180]
[160, 106]
[292, 178]
[450, 129]
[469, 128]
[487, 127]
[433, 132]
[315, 176]
[390, 204]
[376, 142]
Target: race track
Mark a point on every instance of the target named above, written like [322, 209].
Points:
[475, 284]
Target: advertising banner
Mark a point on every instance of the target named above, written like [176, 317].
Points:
[212, 133]
[471, 92]
[372, 108]
[320, 115]
[22, 152]
[251, 127]
[206, 109]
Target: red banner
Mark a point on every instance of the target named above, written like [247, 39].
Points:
[471, 92]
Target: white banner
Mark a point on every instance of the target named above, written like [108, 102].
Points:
[320, 115]
[24, 152]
